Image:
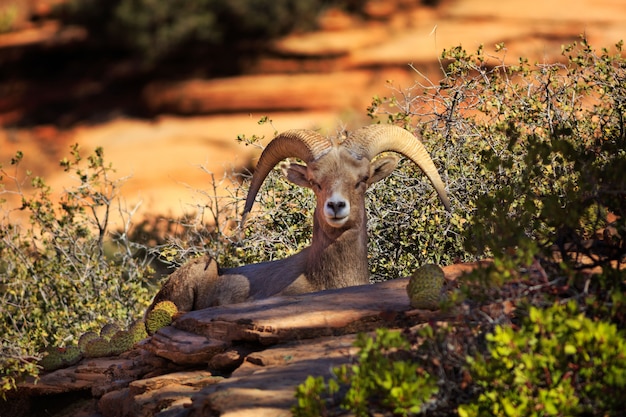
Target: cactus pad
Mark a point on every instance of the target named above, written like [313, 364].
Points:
[162, 315]
[55, 358]
[425, 287]
[98, 348]
[121, 342]
[86, 338]
[108, 330]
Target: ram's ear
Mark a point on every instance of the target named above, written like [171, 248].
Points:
[381, 167]
[296, 173]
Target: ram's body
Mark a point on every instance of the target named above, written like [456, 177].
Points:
[339, 174]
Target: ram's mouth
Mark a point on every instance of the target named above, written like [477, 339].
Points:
[336, 221]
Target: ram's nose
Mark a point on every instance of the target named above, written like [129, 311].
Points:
[336, 206]
[337, 209]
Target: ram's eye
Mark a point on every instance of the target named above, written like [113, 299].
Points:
[315, 185]
[361, 181]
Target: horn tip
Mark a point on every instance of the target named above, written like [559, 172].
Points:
[446, 202]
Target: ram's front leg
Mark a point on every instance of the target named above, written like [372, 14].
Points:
[190, 287]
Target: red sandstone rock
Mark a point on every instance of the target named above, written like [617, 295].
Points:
[258, 93]
[329, 44]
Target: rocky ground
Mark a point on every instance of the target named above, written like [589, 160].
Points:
[238, 360]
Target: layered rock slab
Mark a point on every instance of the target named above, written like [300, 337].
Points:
[236, 360]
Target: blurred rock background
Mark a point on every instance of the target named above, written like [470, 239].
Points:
[166, 88]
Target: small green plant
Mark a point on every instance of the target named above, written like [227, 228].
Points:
[315, 397]
[558, 363]
[379, 380]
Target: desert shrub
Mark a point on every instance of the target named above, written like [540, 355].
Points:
[63, 271]
[559, 363]
[408, 225]
[280, 225]
[560, 149]
[553, 148]
[417, 371]
[527, 150]
[380, 380]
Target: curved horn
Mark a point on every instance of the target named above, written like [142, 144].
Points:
[303, 144]
[371, 140]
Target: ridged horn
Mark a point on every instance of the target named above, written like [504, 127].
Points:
[303, 144]
[371, 140]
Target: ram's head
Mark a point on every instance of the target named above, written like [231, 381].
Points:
[340, 172]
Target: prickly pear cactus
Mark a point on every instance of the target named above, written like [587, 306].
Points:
[161, 315]
[55, 358]
[108, 330]
[85, 338]
[111, 340]
[138, 330]
[98, 348]
[121, 342]
[168, 306]
[425, 288]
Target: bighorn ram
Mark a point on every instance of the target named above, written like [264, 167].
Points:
[338, 174]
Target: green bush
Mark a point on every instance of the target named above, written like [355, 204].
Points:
[528, 151]
[377, 381]
[558, 363]
[63, 271]
[282, 226]
[558, 152]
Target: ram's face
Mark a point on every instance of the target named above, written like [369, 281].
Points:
[339, 180]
